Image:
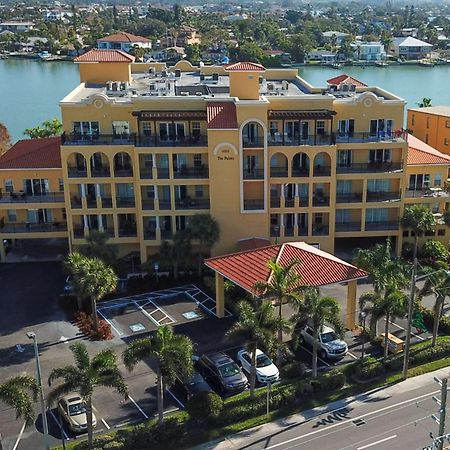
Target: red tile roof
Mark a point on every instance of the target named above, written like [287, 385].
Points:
[345, 79]
[317, 268]
[245, 67]
[420, 153]
[123, 36]
[221, 115]
[96, 55]
[42, 153]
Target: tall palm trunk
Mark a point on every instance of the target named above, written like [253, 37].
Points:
[280, 332]
[314, 355]
[90, 432]
[253, 371]
[160, 395]
[386, 340]
[94, 313]
[437, 315]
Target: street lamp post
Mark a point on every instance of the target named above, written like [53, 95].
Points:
[276, 229]
[362, 318]
[31, 335]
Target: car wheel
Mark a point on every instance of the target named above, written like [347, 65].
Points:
[323, 354]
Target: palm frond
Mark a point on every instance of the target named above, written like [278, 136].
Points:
[67, 373]
[138, 350]
[62, 389]
[81, 355]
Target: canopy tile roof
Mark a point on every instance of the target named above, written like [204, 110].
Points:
[316, 268]
[221, 115]
[123, 36]
[420, 153]
[345, 79]
[95, 56]
[42, 153]
[245, 67]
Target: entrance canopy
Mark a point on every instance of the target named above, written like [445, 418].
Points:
[316, 268]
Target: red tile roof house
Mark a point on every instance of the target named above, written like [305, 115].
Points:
[316, 268]
[123, 41]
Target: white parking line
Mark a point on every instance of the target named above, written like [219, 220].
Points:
[19, 437]
[404, 329]
[318, 357]
[175, 398]
[59, 426]
[103, 420]
[112, 326]
[138, 407]
[352, 355]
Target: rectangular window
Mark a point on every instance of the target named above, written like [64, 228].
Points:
[120, 128]
[428, 122]
[413, 119]
[344, 158]
[9, 187]
[380, 155]
[146, 128]
[197, 160]
[381, 127]
[447, 123]
[343, 216]
[379, 185]
[344, 187]
[199, 191]
[320, 127]
[12, 215]
[438, 179]
[196, 129]
[86, 128]
[445, 141]
[273, 127]
[377, 215]
[346, 127]
[61, 184]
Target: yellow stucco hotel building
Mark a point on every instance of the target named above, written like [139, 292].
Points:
[264, 152]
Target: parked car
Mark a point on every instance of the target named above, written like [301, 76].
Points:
[73, 411]
[328, 343]
[223, 373]
[194, 385]
[266, 370]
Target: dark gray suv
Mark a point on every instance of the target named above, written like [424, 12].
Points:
[223, 373]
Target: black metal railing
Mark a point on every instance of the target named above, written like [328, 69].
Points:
[75, 202]
[290, 140]
[123, 172]
[354, 197]
[125, 202]
[320, 230]
[78, 232]
[24, 197]
[303, 200]
[371, 167]
[150, 235]
[348, 226]
[97, 139]
[192, 203]
[170, 141]
[166, 234]
[427, 192]
[28, 227]
[253, 174]
[250, 205]
[382, 225]
[146, 174]
[100, 172]
[321, 171]
[300, 171]
[91, 202]
[106, 202]
[163, 173]
[382, 136]
[383, 196]
[148, 203]
[289, 231]
[109, 232]
[76, 172]
[303, 231]
[289, 202]
[129, 231]
[165, 204]
[321, 201]
[191, 172]
[275, 202]
[278, 171]
[255, 142]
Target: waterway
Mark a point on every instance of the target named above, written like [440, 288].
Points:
[30, 90]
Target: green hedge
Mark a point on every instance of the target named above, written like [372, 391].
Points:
[428, 319]
[368, 369]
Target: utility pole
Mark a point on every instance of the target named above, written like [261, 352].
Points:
[442, 402]
[409, 323]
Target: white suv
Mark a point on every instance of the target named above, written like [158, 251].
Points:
[328, 343]
[266, 370]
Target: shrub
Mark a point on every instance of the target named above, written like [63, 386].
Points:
[86, 326]
[292, 370]
[368, 369]
[435, 250]
[204, 406]
[332, 381]
[407, 250]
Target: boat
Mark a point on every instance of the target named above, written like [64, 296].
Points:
[426, 62]
[336, 65]
[46, 56]
[381, 63]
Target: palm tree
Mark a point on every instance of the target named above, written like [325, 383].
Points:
[283, 286]
[425, 103]
[173, 355]
[316, 310]
[97, 247]
[437, 284]
[206, 230]
[177, 253]
[85, 376]
[19, 393]
[256, 326]
[391, 305]
[92, 278]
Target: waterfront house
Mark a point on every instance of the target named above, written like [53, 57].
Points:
[123, 41]
[329, 36]
[368, 51]
[410, 48]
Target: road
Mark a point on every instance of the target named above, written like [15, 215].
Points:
[394, 418]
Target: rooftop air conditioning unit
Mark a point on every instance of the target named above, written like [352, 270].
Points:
[270, 87]
[184, 93]
[199, 93]
[284, 85]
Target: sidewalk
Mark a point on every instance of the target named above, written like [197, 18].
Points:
[259, 433]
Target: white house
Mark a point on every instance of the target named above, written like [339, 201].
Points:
[410, 48]
[328, 36]
[123, 41]
[368, 51]
[16, 26]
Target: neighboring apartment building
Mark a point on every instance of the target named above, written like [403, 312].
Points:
[123, 41]
[180, 37]
[16, 26]
[431, 125]
[265, 153]
[410, 48]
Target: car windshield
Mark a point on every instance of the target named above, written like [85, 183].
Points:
[77, 408]
[228, 370]
[328, 337]
[263, 361]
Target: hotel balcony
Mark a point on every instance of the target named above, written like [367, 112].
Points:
[125, 202]
[320, 230]
[434, 192]
[106, 202]
[382, 226]
[277, 139]
[255, 142]
[166, 234]
[28, 227]
[354, 197]
[374, 167]
[146, 174]
[383, 196]
[281, 171]
[348, 226]
[321, 171]
[128, 231]
[165, 204]
[185, 141]
[97, 139]
[191, 172]
[77, 171]
[253, 174]
[275, 202]
[148, 203]
[192, 203]
[368, 137]
[23, 197]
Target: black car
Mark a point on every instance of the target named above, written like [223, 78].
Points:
[194, 385]
[222, 373]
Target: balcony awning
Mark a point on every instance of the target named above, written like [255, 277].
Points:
[319, 114]
[170, 115]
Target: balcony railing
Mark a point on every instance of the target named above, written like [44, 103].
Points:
[109, 232]
[91, 202]
[300, 171]
[348, 226]
[78, 232]
[375, 167]
[106, 202]
[256, 142]
[97, 139]
[303, 231]
[129, 231]
[23, 197]
[194, 203]
[289, 202]
[278, 171]
[381, 196]
[427, 192]
[253, 174]
[382, 136]
[321, 201]
[165, 204]
[191, 172]
[28, 227]
[125, 202]
[75, 202]
[303, 200]
[355, 197]
[320, 230]
[77, 172]
[163, 173]
[123, 172]
[275, 202]
[146, 174]
[250, 205]
[289, 231]
[184, 141]
[289, 140]
[322, 171]
[100, 172]
[150, 235]
[148, 203]
[166, 234]
[383, 225]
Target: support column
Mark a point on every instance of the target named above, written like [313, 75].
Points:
[351, 304]
[98, 196]
[220, 296]
[295, 224]
[83, 196]
[100, 222]
[2, 251]
[86, 225]
[158, 229]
